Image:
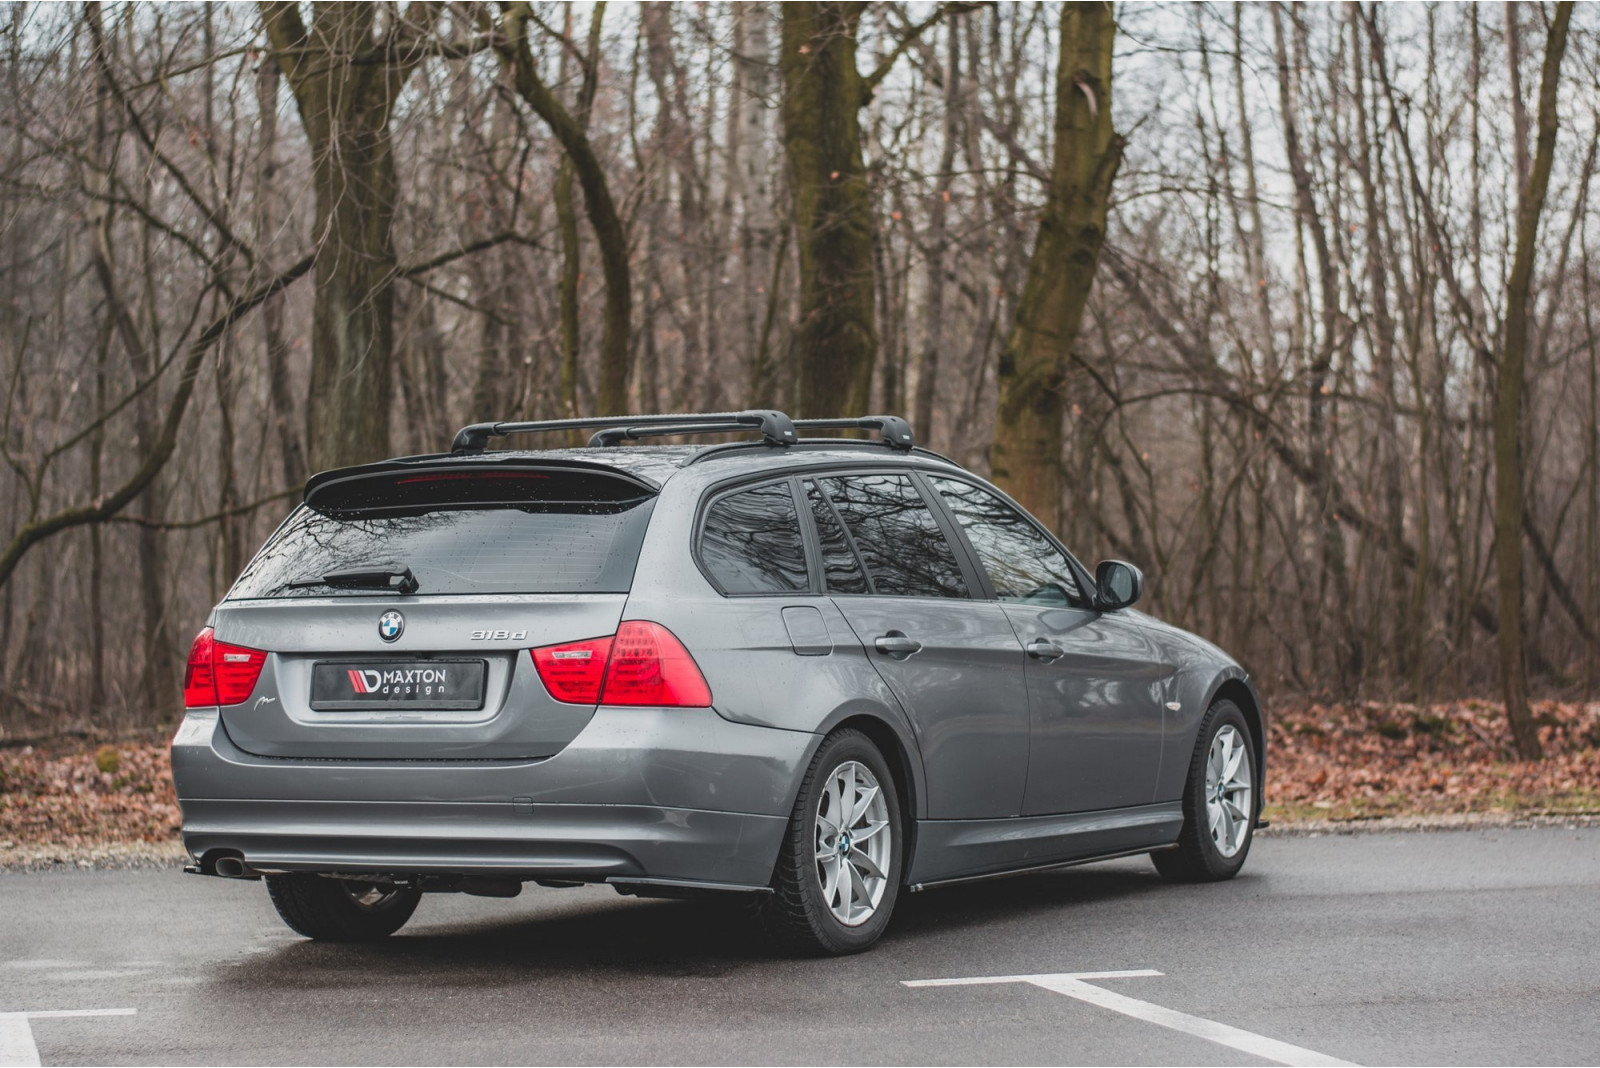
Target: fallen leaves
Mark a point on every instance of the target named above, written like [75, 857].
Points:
[62, 797]
[1367, 760]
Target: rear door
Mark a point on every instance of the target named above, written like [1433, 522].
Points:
[505, 559]
[953, 662]
[1094, 678]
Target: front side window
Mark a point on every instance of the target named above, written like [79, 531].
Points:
[1022, 564]
[905, 551]
[751, 542]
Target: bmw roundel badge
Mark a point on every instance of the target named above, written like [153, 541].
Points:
[391, 625]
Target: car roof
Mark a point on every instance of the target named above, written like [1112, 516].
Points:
[657, 464]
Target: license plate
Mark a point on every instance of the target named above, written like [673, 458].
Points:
[347, 685]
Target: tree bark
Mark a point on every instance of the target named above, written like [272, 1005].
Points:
[758, 224]
[615, 356]
[837, 339]
[939, 238]
[290, 448]
[1508, 504]
[1027, 460]
[344, 104]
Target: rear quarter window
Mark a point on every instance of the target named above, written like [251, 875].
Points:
[750, 542]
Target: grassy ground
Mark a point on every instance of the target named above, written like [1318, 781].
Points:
[1338, 763]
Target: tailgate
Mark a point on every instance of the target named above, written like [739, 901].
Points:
[456, 684]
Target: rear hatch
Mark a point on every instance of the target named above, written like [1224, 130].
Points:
[397, 607]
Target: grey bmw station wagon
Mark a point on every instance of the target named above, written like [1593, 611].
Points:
[812, 673]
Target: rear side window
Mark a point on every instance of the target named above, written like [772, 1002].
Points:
[751, 541]
[901, 543]
[504, 532]
[840, 567]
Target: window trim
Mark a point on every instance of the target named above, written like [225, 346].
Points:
[1087, 598]
[709, 501]
[814, 538]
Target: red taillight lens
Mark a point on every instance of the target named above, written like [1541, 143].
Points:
[650, 666]
[199, 683]
[574, 672]
[219, 673]
[642, 664]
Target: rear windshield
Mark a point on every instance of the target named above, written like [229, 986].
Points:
[459, 533]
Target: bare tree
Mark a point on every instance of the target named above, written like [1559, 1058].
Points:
[1027, 457]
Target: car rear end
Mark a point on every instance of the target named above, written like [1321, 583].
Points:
[429, 673]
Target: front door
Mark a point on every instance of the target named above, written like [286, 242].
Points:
[1094, 682]
[953, 662]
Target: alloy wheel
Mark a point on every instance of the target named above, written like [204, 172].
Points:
[853, 843]
[1229, 786]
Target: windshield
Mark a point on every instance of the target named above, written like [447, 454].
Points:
[520, 545]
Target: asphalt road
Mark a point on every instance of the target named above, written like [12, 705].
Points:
[1462, 947]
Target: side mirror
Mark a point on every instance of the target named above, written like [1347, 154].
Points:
[1118, 584]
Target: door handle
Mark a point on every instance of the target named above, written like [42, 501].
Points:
[1041, 649]
[897, 645]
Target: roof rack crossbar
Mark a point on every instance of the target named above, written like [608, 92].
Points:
[896, 432]
[775, 427]
[618, 434]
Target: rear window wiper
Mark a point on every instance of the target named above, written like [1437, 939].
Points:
[400, 580]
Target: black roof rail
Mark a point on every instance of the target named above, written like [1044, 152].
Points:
[734, 447]
[896, 432]
[775, 428]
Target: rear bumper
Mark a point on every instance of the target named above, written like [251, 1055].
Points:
[680, 796]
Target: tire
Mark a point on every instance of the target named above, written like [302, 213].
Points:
[336, 910]
[1208, 853]
[804, 914]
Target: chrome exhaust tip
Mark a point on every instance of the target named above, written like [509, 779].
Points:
[232, 867]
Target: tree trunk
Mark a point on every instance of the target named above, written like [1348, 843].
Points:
[939, 238]
[836, 342]
[758, 226]
[615, 355]
[345, 103]
[1508, 503]
[1027, 460]
[290, 448]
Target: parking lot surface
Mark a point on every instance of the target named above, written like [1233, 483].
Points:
[1461, 947]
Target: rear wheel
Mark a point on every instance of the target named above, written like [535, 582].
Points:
[341, 910]
[1219, 802]
[838, 873]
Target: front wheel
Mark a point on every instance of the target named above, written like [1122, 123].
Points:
[838, 873]
[1219, 802]
[341, 910]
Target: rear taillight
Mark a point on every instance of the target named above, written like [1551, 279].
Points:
[642, 664]
[575, 672]
[650, 666]
[199, 681]
[219, 673]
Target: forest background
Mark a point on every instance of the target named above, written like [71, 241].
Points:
[1292, 306]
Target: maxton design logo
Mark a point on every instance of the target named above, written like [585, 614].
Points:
[425, 681]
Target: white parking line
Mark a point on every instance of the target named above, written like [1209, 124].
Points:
[16, 1035]
[1076, 985]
